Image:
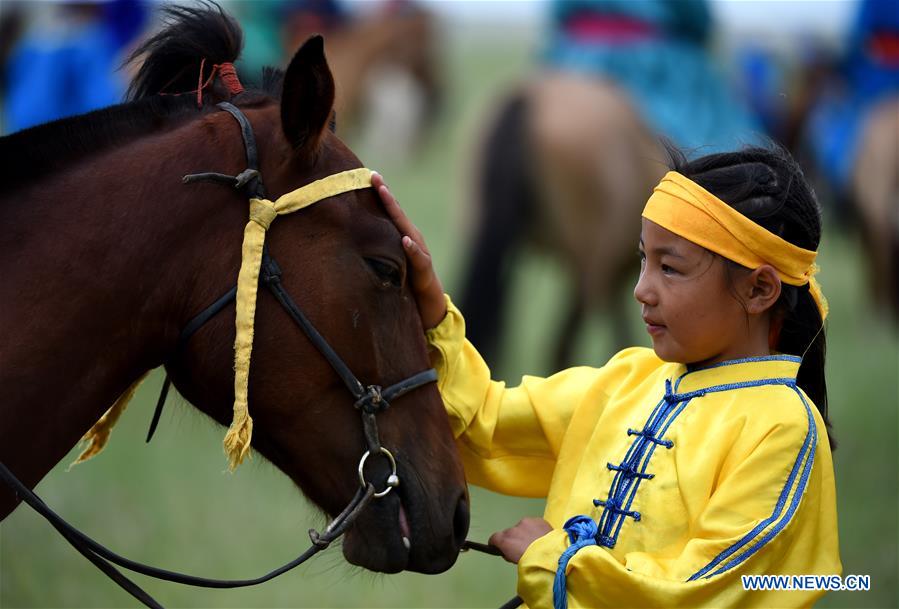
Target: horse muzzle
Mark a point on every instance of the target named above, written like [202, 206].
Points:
[410, 531]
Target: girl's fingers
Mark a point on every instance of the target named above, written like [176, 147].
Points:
[396, 213]
[423, 280]
[420, 259]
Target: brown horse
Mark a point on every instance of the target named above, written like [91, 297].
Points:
[875, 194]
[106, 256]
[393, 45]
[566, 166]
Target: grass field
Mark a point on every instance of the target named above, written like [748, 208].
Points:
[170, 504]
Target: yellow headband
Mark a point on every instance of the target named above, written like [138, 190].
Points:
[262, 213]
[685, 208]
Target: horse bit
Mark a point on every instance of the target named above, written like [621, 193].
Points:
[369, 401]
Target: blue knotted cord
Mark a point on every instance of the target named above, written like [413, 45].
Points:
[581, 532]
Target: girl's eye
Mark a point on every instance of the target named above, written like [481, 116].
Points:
[667, 269]
[387, 273]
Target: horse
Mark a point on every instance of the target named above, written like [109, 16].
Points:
[363, 48]
[385, 62]
[874, 194]
[566, 166]
[107, 255]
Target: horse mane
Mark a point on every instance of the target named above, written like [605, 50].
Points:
[192, 38]
[161, 95]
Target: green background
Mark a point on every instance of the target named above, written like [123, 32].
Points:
[171, 503]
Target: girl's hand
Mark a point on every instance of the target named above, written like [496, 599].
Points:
[425, 284]
[513, 542]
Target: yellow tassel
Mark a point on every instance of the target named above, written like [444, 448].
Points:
[237, 440]
[262, 213]
[98, 435]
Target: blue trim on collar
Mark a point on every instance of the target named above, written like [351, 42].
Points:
[808, 450]
[745, 360]
[680, 397]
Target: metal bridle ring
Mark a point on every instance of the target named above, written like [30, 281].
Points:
[392, 480]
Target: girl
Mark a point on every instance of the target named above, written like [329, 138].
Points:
[671, 472]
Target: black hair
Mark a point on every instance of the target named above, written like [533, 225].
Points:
[766, 185]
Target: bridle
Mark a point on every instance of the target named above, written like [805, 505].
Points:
[368, 400]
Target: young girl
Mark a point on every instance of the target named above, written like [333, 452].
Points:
[671, 472]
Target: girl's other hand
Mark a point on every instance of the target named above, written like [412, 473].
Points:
[425, 284]
[514, 541]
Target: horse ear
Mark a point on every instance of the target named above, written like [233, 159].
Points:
[307, 96]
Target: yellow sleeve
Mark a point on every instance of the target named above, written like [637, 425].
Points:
[772, 513]
[509, 438]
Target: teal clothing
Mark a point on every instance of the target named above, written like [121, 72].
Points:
[665, 68]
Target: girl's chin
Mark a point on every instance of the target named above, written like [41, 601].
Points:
[666, 352]
[661, 348]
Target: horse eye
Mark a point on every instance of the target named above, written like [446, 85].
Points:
[387, 273]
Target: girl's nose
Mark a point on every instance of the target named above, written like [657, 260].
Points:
[643, 291]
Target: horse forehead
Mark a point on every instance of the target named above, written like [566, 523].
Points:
[366, 221]
[358, 212]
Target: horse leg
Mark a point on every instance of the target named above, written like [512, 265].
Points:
[566, 340]
[505, 202]
[596, 164]
[875, 190]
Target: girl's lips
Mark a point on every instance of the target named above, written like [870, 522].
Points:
[653, 328]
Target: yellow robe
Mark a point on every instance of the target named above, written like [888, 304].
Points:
[730, 475]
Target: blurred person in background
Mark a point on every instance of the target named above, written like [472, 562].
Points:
[66, 60]
[657, 52]
[274, 28]
[576, 152]
[851, 134]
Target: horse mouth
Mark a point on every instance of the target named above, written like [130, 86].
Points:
[405, 531]
[381, 539]
[396, 535]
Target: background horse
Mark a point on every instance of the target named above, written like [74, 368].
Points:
[567, 165]
[875, 194]
[106, 256]
[374, 55]
[384, 56]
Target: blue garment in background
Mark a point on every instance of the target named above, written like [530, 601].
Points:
[834, 126]
[66, 67]
[667, 72]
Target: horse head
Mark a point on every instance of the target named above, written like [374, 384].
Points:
[342, 261]
[166, 249]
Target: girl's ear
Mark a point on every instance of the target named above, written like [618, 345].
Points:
[762, 289]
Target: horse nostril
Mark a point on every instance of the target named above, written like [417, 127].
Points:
[460, 521]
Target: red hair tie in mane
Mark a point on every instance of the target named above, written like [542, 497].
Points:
[228, 74]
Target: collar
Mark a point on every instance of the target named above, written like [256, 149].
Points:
[738, 372]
